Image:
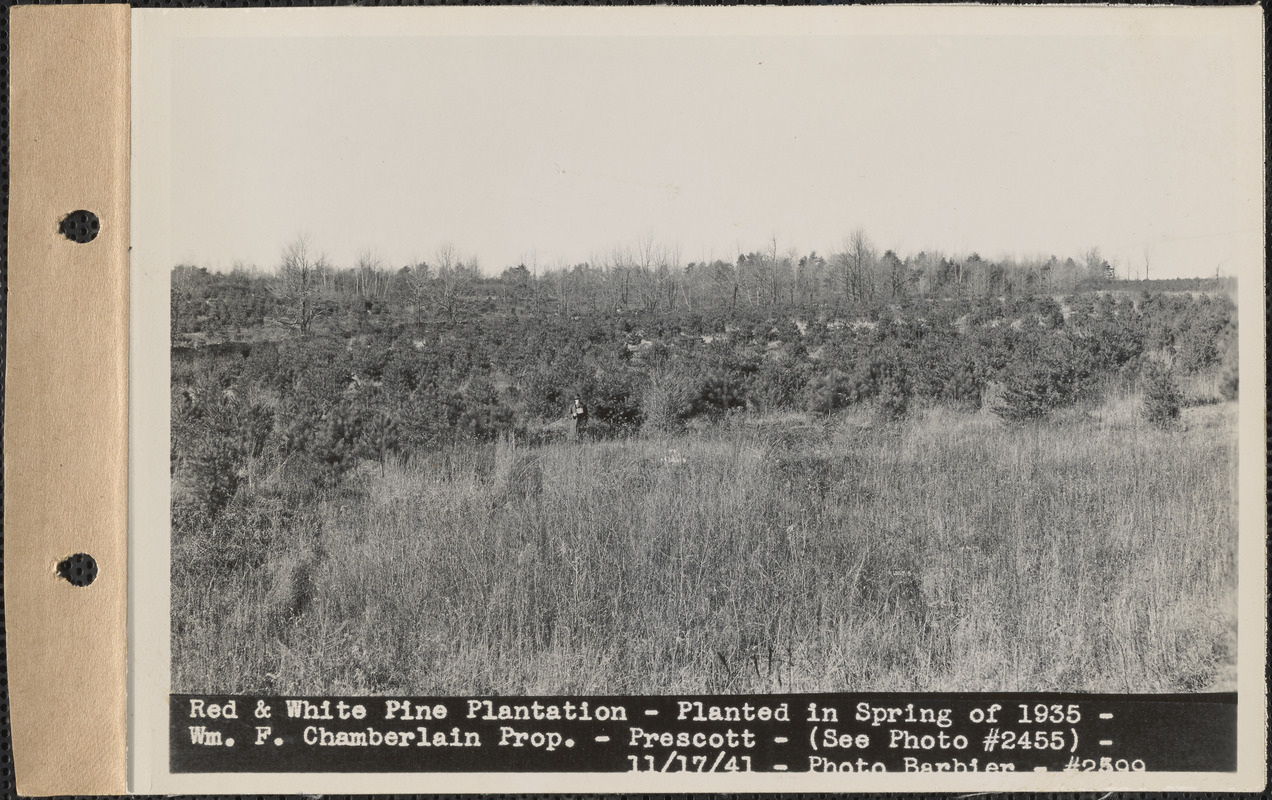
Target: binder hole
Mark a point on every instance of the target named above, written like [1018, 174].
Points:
[80, 226]
[79, 569]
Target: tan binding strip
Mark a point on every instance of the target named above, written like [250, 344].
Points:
[66, 385]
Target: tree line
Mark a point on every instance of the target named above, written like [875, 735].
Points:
[647, 277]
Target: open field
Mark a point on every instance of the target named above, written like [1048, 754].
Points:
[779, 552]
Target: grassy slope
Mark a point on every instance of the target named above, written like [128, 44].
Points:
[949, 552]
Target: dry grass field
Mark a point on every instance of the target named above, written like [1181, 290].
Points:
[949, 551]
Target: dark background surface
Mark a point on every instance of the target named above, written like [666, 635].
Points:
[1177, 733]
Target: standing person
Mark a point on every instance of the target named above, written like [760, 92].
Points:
[578, 418]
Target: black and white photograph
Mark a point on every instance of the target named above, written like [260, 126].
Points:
[807, 355]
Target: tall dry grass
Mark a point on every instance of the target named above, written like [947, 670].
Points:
[948, 552]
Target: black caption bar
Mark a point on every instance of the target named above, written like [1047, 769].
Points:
[734, 733]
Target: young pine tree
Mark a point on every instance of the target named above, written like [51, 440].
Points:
[1161, 397]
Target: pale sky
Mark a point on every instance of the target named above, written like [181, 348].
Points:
[566, 146]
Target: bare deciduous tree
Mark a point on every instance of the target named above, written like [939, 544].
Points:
[895, 275]
[671, 275]
[561, 283]
[646, 269]
[370, 278]
[419, 278]
[455, 278]
[854, 265]
[773, 274]
[299, 282]
[724, 277]
[1096, 266]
